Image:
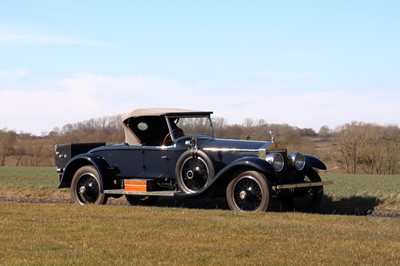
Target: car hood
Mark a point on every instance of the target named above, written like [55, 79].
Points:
[226, 144]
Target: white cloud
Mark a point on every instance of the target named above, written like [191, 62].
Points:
[307, 109]
[86, 96]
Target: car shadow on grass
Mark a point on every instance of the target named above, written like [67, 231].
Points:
[356, 205]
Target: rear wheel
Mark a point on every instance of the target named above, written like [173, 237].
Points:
[249, 191]
[85, 187]
[306, 199]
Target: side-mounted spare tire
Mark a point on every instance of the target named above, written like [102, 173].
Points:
[194, 170]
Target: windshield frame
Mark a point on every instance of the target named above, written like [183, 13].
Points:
[171, 118]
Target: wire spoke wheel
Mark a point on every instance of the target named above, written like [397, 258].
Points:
[249, 191]
[194, 171]
[85, 187]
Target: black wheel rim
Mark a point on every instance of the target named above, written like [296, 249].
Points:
[87, 189]
[247, 194]
[194, 173]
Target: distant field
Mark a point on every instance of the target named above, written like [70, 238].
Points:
[29, 182]
[68, 234]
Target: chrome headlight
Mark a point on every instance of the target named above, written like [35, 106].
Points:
[276, 160]
[297, 160]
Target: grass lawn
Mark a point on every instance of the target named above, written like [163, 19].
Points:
[68, 234]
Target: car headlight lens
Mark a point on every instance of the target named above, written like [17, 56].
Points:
[276, 160]
[297, 160]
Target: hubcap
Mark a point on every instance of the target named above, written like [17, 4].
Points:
[190, 174]
[243, 195]
[82, 190]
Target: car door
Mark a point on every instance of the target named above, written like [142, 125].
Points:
[155, 162]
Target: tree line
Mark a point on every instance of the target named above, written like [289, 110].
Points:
[355, 147]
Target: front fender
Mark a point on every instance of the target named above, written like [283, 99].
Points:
[225, 174]
[314, 162]
[250, 162]
[81, 160]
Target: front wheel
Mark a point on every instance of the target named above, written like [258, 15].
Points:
[85, 187]
[249, 191]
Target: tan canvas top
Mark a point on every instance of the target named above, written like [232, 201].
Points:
[132, 139]
[159, 112]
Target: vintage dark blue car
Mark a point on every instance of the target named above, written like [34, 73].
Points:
[175, 153]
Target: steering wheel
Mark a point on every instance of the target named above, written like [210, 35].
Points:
[177, 132]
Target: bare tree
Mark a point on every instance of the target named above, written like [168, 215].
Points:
[36, 155]
[350, 141]
[248, 122]
[324, 130]
[7, 140]
[372, 153]
[392, 149]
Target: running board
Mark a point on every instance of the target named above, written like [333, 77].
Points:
[300, 185]
[137, 193]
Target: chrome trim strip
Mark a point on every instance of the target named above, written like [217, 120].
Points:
[230, 149]
[300, 185]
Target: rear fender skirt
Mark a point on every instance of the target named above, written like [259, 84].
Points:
[314, 162]
[81, 160]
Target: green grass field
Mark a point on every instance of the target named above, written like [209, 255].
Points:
[30, 182]
[68, 234]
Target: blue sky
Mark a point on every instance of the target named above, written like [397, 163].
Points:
[304, 63]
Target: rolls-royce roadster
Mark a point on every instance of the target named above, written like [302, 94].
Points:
[175, 153]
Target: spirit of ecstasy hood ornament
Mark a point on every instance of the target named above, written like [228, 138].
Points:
[271, 132]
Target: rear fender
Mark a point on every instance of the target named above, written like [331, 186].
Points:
[314, 162]
[81, 160]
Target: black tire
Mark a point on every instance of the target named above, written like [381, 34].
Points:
[306, 199]
[194, 170]
[141, 200]
[85, 187]
[249, 191]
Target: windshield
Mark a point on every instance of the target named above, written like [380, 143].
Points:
[193, 126]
